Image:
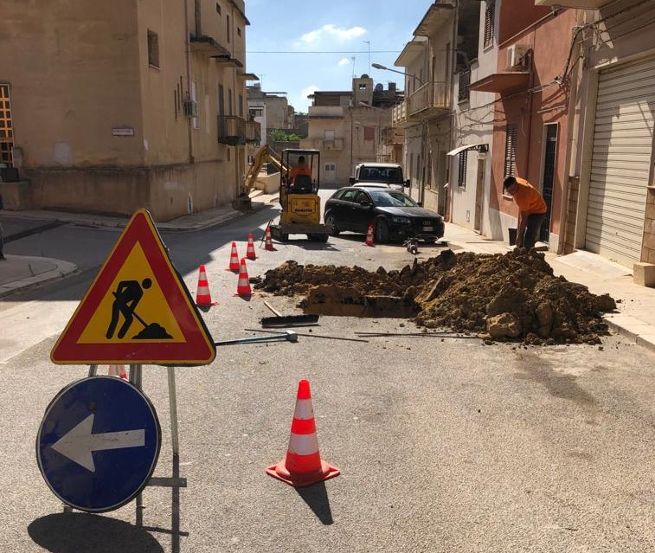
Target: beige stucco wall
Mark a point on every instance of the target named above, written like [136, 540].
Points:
[74, 75]
[78, 69]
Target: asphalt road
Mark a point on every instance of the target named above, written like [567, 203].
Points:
[444, 446]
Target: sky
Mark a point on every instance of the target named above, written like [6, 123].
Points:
[345, 27]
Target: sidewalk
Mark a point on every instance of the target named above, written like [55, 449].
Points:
[635, 316]
[20, 272]
[186, 223]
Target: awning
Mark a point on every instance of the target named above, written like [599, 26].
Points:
[467, 147]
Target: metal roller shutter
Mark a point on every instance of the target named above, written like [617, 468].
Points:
[621, 161]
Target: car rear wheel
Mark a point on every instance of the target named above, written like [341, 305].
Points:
[331, 223]
[381, 231]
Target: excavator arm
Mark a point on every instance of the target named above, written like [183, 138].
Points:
[263, 155]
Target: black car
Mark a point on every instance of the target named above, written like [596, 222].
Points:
[393, 214]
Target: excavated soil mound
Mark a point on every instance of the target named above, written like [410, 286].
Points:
[505, 297]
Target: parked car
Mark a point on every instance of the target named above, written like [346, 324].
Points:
[395, 215]
[389, 175]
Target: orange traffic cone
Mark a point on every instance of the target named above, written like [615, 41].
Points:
[119, 371]
[369, 236]
[250, 252]
[234, 259]
[302, 465]
[203, 297]
[243, 287]
[268, 243]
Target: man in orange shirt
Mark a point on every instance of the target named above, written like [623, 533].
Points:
[301, 169]
[532, 210]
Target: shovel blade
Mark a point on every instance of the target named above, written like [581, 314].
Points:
[289, 320]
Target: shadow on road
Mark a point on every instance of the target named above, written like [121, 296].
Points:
[82, 533]
[317, 499]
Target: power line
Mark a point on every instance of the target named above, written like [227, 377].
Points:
[325, 52]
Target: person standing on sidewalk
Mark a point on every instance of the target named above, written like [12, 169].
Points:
[532, 210]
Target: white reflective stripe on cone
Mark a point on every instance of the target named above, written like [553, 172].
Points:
[303, 444]
[304, 410]
[203, 289]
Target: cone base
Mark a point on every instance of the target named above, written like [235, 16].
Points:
[302, 479]
[252, 258]
[270, 249]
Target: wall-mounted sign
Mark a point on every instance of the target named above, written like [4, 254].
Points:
[122, 131]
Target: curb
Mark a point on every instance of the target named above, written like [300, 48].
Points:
[62, 270]
[644, 340]
[162, 227]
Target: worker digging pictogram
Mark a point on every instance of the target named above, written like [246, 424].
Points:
[127, 296]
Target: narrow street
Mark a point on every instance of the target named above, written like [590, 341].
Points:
[443, 446]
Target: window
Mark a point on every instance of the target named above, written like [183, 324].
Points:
[510, 151]
[153, 49]
[464, 85]
[349, 195]
[6, 127]
[240, 105]
[362, 86]
[228, 28]
[194, 99]
[461, 176]
[328, 134]
[239, 31]
[369, 133]
[489, 20]
[218, 8]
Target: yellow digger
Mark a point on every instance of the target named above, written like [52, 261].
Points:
[301, 204]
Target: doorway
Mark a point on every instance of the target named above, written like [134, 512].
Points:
[6, 128]
[548, 176]
[479, 196]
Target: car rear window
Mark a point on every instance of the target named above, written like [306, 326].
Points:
[384, 198]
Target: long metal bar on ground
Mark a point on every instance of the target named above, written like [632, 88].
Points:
[417, 334]
[308, 335]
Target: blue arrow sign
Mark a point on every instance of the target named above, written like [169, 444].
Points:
[98, 443]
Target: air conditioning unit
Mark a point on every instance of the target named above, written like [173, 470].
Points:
[516, 56]
[190, 108]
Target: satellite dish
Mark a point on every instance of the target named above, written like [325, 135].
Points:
[379, 87]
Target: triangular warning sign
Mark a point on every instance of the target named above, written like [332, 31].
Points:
[138, 309]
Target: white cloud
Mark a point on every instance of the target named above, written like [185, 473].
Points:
[301, 102]
[344, 61]
[332, 32]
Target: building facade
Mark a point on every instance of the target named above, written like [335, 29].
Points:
[347, 127]
[128, 105]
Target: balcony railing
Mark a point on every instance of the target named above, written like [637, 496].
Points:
[231, 130]
[399, 114]
[430, 97]
[253, 132]
[326, 111]
[464, 92]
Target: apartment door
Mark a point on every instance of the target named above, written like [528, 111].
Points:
[222, 131]
[6, 128]
[329, 173]
[479, 196]
[548, 176]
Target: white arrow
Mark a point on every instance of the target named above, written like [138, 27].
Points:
[79, 443]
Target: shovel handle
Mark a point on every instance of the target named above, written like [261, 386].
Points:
[277, 313]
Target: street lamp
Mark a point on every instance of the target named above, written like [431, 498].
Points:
[385, 68]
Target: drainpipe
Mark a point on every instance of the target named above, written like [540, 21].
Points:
[187, 43]
[451, 111]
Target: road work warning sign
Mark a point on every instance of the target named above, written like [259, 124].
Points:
[138, 309]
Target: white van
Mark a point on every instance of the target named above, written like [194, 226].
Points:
[379, 175]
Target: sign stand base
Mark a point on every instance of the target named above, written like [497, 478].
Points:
[175, 482]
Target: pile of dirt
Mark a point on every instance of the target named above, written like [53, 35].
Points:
[514, 296]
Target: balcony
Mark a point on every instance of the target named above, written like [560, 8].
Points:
[253, 132]
[399, 115]
[392, 136]
[581, 4]
[209, 46]
[231, 130]
[322, 144]
[429, 100]
[502, 82]
[325, 112]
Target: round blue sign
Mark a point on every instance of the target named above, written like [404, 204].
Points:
[98, 443]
